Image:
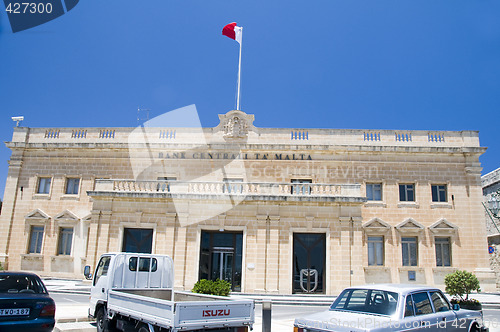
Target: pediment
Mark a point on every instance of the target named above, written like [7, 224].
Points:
[376, 225]
[66, 215]
[88, 217]
[443, 226]
[37, 214]
[410, 225]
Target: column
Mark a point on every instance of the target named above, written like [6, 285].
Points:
[251, 255]
[180, 253]
[169, 236]
[103, 235]
[260, 259]
[8, 208]
[93, 239]
[358, 276]
[273, 256]
[285, 269]
[346, 263]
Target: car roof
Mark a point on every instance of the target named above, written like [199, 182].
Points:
[18, 273]
[398, 288]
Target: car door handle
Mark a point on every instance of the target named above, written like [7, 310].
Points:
[102, 290]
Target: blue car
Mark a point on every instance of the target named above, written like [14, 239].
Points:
[25, 304]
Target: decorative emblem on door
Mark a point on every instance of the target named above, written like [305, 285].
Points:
[308, 274]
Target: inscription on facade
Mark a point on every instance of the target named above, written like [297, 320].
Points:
[231, 156]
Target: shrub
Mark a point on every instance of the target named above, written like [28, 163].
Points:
[217, 287]
[460, 284]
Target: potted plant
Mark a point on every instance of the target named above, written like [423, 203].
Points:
[459, 285]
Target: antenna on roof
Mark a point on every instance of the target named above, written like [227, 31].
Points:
[142, 115]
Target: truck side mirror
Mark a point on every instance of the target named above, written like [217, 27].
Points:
[86, 272]
[456, 306]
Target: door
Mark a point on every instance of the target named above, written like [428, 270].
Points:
[308, 263]
[222, 263]
[221, 257]
[100, 283]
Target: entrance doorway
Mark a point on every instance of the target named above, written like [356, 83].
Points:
[308, 262]
[221, 257]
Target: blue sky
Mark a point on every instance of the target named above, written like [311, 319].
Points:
[367, 64]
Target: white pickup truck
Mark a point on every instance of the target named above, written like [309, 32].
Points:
[134, 292]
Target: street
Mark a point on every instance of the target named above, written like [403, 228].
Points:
[282, 315]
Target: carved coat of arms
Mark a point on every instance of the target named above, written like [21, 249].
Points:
[235, 127]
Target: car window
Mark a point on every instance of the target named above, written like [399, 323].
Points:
[367, 300]
[409, 307]
[145, 262]
[102, 268]
[20, 284]
[422, 303]
[439, 302]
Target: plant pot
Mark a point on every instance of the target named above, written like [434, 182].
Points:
[469, 305]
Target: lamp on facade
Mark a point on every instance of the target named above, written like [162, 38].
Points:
[494, 204]
[493, 209]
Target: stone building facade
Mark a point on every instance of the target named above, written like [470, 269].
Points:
[271, 210]
[491, 185]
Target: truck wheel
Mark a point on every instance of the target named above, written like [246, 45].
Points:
[143, 329]
[101, 320]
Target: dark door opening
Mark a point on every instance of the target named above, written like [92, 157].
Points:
[308, 263]
[221, 257]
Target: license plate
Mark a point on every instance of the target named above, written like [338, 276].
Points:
[15, 312]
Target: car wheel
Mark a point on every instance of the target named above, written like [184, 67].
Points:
[101, 320]
[143, 329]
[474, 328]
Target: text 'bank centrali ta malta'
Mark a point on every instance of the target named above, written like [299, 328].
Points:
[271, 210]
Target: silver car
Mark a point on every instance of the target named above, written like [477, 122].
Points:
[392, 307]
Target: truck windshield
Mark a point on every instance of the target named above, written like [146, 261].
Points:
[367, 300]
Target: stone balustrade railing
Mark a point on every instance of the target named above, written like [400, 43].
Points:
[226, 188]
[197, 136]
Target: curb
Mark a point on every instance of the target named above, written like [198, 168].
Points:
[74, 320]
[492, 306]
[62, 291]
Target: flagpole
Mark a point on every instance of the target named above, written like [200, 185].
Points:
[239, 73]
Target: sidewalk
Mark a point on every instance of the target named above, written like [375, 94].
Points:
[74, 317]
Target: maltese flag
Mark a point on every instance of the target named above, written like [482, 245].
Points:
[232, 31]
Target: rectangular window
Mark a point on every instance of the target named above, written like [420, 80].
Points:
[144, 264]
[72, 186]
[36, 238]
[422, 303]
[374, 191]
[409, 307]
[301, 187]
[65, 241]
[375, 250]
[137, 240]
[102, 268]
[439, 193]
[407, 192]
[43, 185]
[409, 248]
[443, 251]
[439, 302]
[233, 186]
